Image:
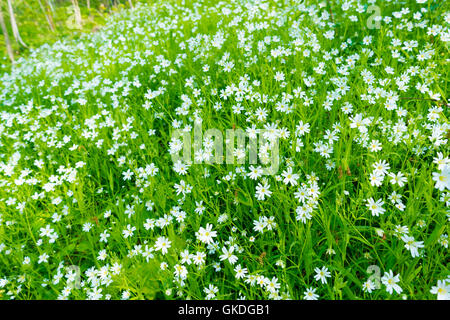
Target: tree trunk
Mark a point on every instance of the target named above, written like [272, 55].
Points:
[49, 8]
[89, 7]
[50, 4]
[77, 12]
[14, 27]
[131, 3]
[47, 14]
[5, 35]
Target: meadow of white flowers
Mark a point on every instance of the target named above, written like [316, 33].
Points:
[354, 93]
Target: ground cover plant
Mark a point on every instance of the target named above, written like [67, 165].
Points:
[348, 100]
[40, 22]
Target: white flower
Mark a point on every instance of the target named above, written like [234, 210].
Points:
[322, 274]
[228, 255]
[412, 245]
[368, 286]
[390, 281]
[128, 232]
[398, 178]
[375, 207]
[127, 175]
[199, 258]
[180, 271]
[376, 179]
[43, 258]
[289, 177]
[183, 188]
[381, 167]
[442, 289]
[255, 172]
[205, 235]
[279, 76]
[162, 243]
[240, 272]
[273, 285]
[262, 191]
[441, 161]
[442, 179]
[310, 294]
[375, 146]
[211, 291]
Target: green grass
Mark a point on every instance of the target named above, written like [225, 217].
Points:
[80, 123]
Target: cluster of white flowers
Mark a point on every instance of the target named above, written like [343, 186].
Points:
[358, 116]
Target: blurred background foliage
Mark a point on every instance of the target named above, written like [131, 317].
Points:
[46, 21]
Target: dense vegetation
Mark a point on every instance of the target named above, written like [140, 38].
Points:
[47, 21]
[349, 96]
